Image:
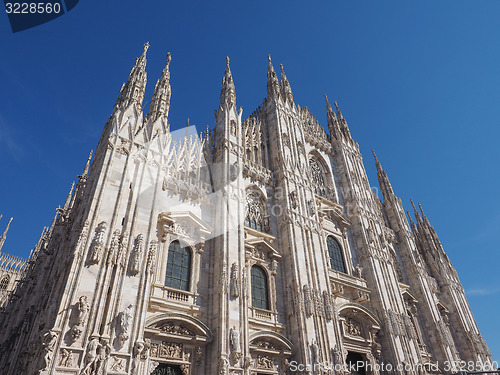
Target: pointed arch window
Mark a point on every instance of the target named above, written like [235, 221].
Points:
[4, 283]
[260, 292]
[335, 254]
[318, 177]
[178, 266]
[253, 212]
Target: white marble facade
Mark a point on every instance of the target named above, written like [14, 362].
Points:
[257, 247]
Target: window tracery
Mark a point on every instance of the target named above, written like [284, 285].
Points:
[318, 177]
[5, 282]
[255, 217]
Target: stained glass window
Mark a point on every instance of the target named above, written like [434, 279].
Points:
[178, 266]
[259, 288]
[335, 253]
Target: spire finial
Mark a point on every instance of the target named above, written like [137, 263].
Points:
[145, 50]
[8, 226]
[269, 58]
[68, 198]
[86, 169]
[375, 156]
[169, 58]
[227, 60]
[4, 235]
[417, 215]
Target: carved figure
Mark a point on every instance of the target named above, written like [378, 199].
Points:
[83, 311]
[235, 281]
[97, 245]
[234, 336]
[49, 342]
[125, 320]
[136, 258]
[66, 359]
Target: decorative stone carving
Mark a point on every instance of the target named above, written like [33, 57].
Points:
[294, 200]
[264, 362]
[175, 329]
[152, 366]
[222, 366]
[153, 245]
[308, 300]
[49, 342]
[337, 356]
[316, 352]
[328, 303]
[114, 248]
[136, 357]
[353, 327]
[66, 358]
[97, 245]
[82, 238]
[124, 321]
[91, 356]
[265, 345]
[358, 271]
[234, 339]
[171, 350]
[117, 364]
[198, 356]
[83, 314]
[223, 277]
[136, 256]
[235, 281]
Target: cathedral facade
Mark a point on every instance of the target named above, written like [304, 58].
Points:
[257, 247]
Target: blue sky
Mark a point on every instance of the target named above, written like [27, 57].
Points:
[417, 81]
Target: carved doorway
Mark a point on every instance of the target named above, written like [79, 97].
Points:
[166, 369]
[356, 363]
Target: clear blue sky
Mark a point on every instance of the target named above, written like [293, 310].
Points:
[417, 81]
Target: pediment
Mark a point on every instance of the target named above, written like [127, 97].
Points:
[263, 244]
[183, 224]
[178, 327]
[269, 341]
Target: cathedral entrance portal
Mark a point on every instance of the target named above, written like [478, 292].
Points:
[356, 364]
[166, 369]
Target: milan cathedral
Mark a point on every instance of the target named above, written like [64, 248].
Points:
[256, 247]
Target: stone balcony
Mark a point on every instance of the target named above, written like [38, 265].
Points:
[349, 287]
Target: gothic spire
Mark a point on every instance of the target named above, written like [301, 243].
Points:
[286, 90]
[342, 123]
[383, 180]
[3, 237]
[273, 86]
[333, 123]
[85, 173]
[227, 92]
[68, 198]
[417, 214]
[133, 90]
[160, 103]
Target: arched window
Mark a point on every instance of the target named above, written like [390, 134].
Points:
[178, 266]
[253, 212]
[318, 177]
[5, 282]
[335, 253]
[260, 294]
